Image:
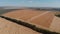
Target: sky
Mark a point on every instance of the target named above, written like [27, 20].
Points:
[30, 3]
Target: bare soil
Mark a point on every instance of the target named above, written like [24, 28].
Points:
[8, 27]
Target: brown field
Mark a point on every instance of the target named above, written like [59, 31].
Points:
[28, 15]
[8, 27]
[41, 18]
